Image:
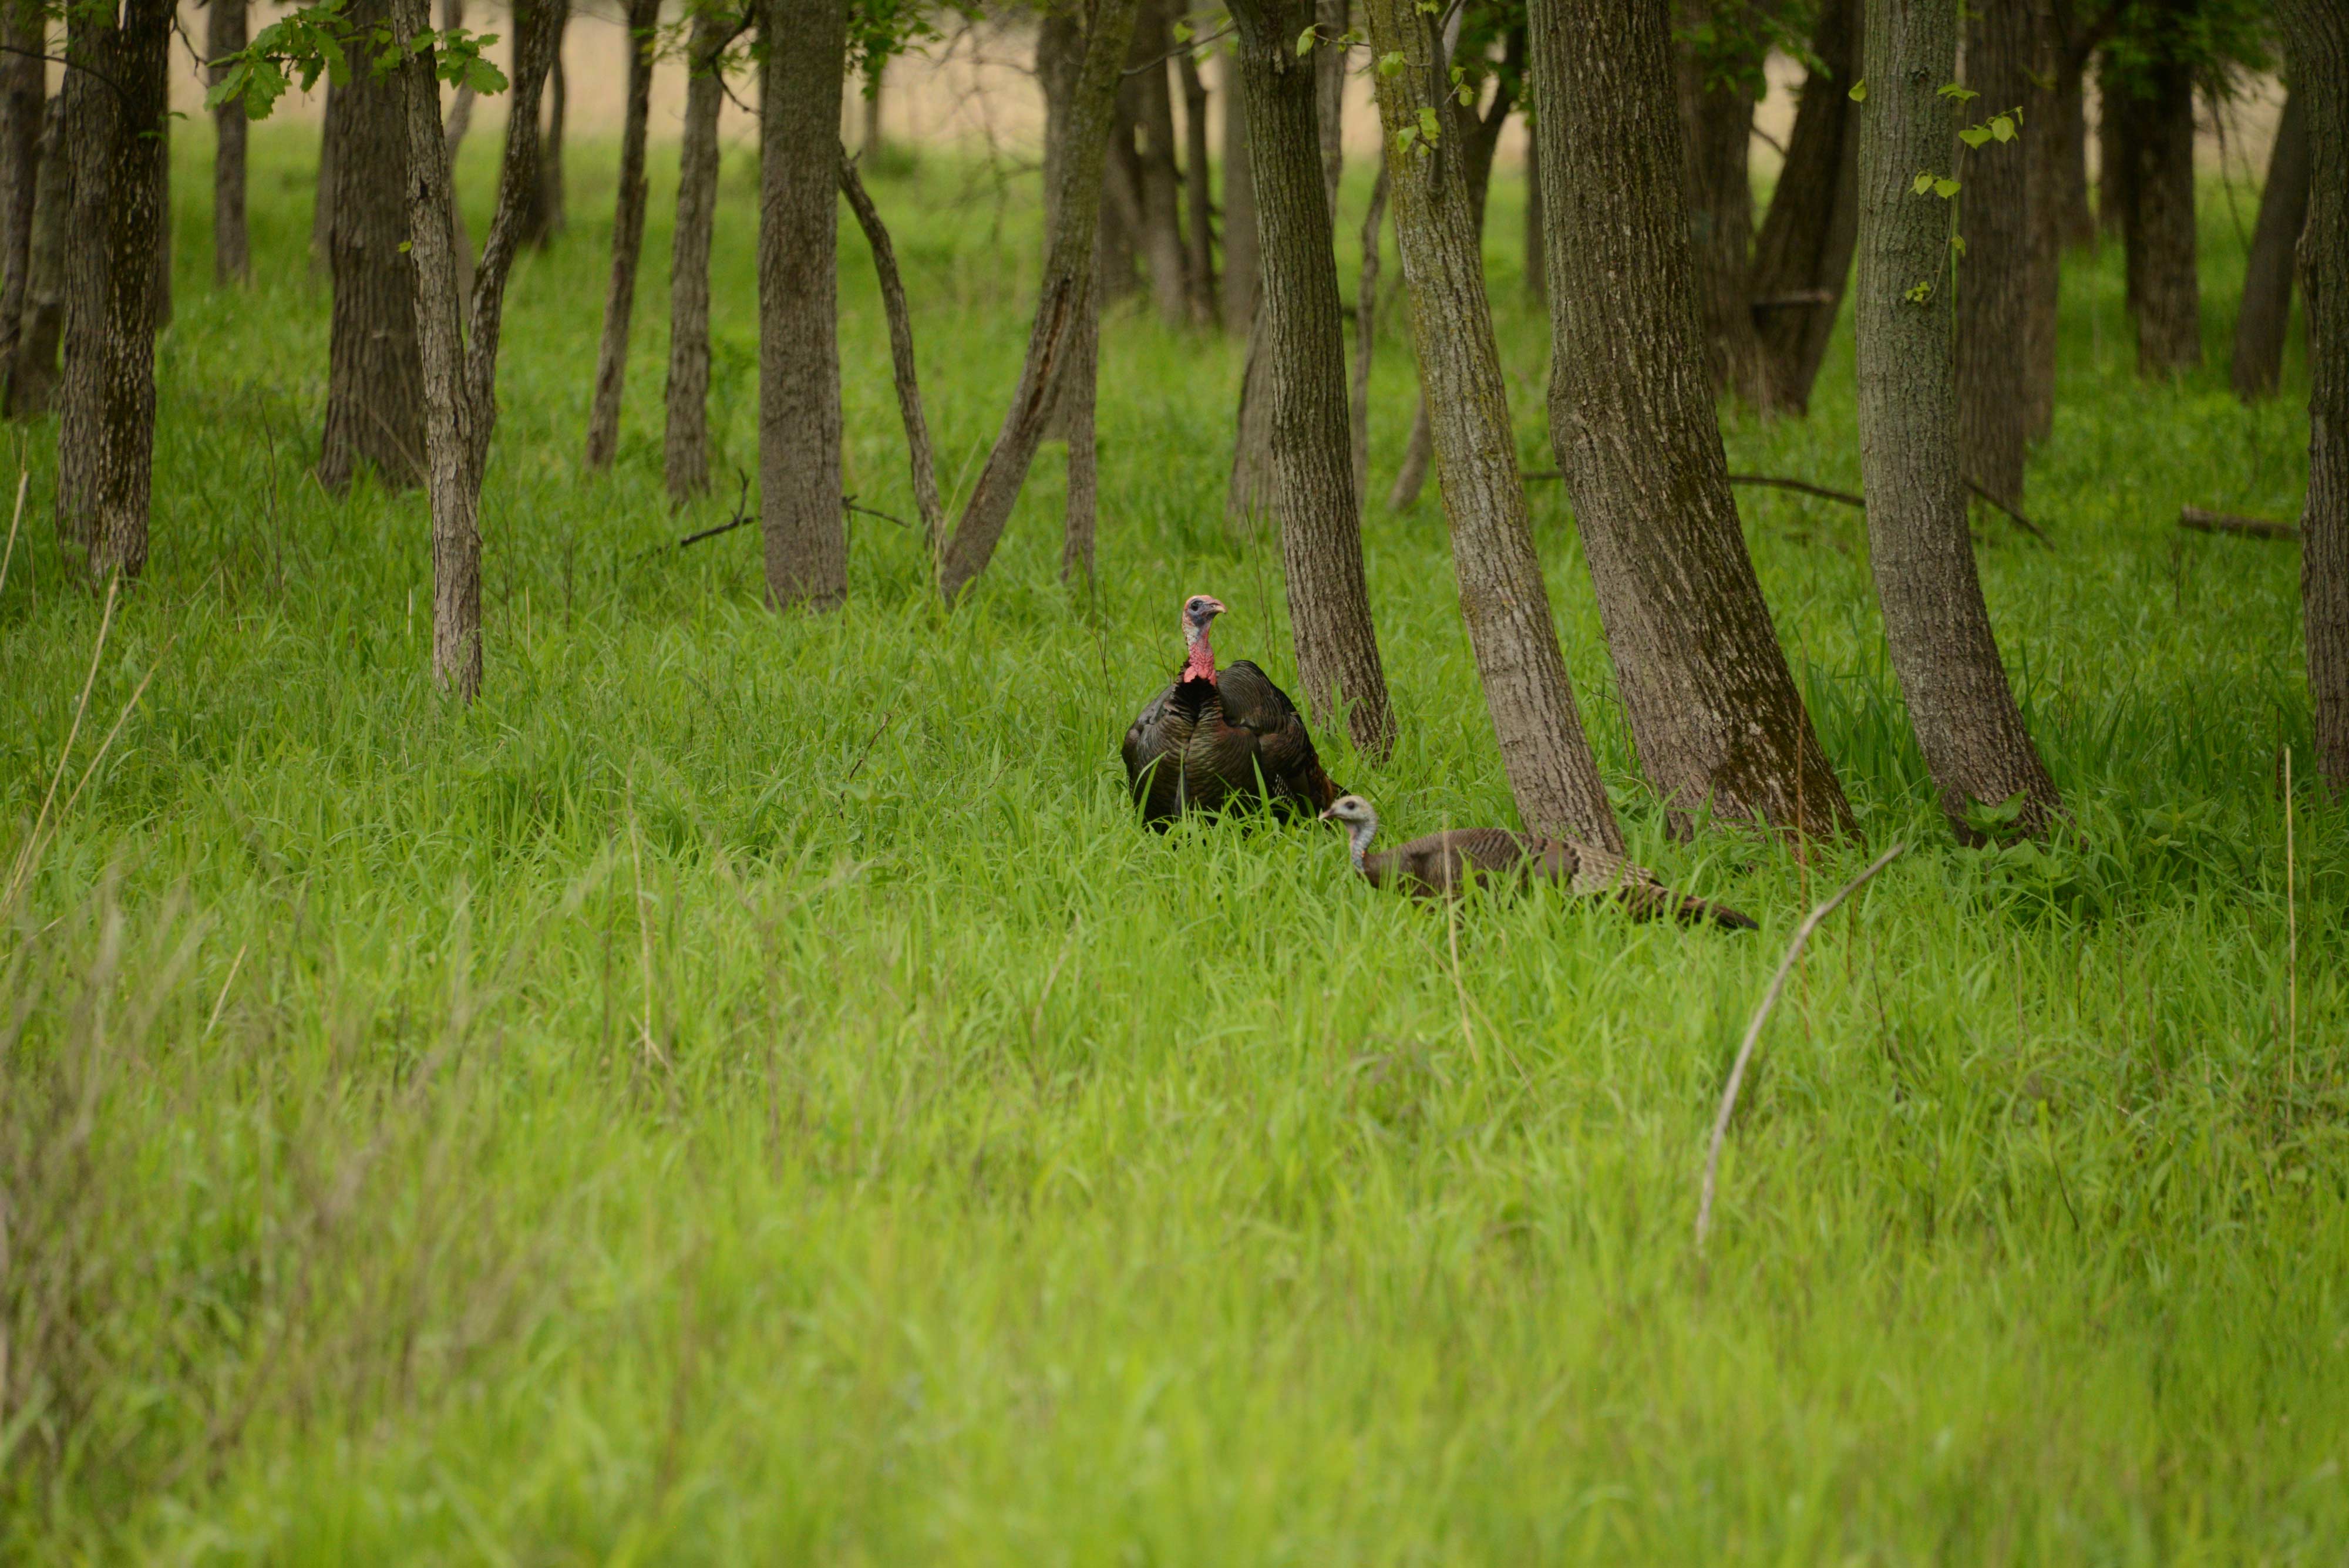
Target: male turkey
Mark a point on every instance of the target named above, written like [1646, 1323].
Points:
[1444, 864]
[1214, 737]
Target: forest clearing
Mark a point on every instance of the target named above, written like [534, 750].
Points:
[746, 1085]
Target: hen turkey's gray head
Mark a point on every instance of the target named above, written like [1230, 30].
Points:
[1198, 611]
[1353, 811]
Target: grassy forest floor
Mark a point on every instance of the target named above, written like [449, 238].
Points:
[747, 1089]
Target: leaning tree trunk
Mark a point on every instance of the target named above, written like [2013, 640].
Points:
[1243, 263]
[1160, 185]
[106, 439]
[686, 446]
[628, 239]
[1199, 202]
[2267, 271]
[1366, 330]
[23, 97]
[374, 378]
[1802, 257]
[2316, 48]
[1995, 271]
[1059, 335]
[2156, 207]
[1501, 595]
[224, 34]
[799, 314]
[920, 457]
[461, 373]
[1712, 706]
[1958, 701]
[32, 370]
[1717, 118]
[1311, 491]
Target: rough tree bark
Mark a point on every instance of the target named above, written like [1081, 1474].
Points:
[1160, 185]
[2154, 197]
[1366, 329]
[2044, 152]
[868, 145]
[2266, 311]
[919, 454]
[1802, 256]
[2074, 45]
[1330, 23]
[1994, 269]
[460, 374]
[1242, 259]
[1712, 706]
[1199, 202]
[106, 439]
[224, 34]
[1960, 703]
[799, 315]
[1537, 279]
[374, 378]
[686, 446]
[544, 218]
[2316, 49]
[1501, 595]
[23, 98]
[33, 369]
[1311, 495]
[1059, 335]
[628, 239]
[160, 284]
[1717, 120]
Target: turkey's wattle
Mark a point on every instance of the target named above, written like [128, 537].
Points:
[1443, 865]
[1215, 737]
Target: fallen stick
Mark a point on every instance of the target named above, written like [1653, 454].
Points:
[1779, 481]
[1754, 1030]
[2025, 524]
[2226, 523]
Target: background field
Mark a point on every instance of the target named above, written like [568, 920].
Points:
[746, 1090]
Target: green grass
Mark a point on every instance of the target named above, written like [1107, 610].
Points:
[747, 1091]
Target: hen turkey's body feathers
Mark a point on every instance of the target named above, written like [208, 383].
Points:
[1443, 865]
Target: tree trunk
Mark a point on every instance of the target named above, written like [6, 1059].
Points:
[224, 34]
[2316, 49]
[1994, 268]
[322, 204]
[1537, 269]
[685, 449]
[1717, 118]
[1243, 263]
[160, 284]
[1161, 184]
[1058, 336]
[1079, 383]
[1120, 224]
[2267, 271]
[1199, 214]
[1802, 257]
[2155, 202]
[1503, 596]
[869, 144]
[1958, 701]
[2076, 218]
[374, 378]
[106, 439]
[1310, 494]
[628, 239]
[1712, 707]
[918, 452]
[1366, 330]
[1329, 55]
[1249, 488]
[460, 375]
[545, 217]
[23, 98]
[2113, 193]
[33, 370]
[2043, 152]
[799, 314]
[1418, 452]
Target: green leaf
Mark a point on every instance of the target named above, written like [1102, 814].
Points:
[1958, 244]
[2001, 127]
[1974, 135]
[1183, 32]
[1945, 189]
[1919, 292]
[1431, 130]
[1859, 90]
[1922, 184]
[1961, 94]
[1305, 42]
[1390, 62]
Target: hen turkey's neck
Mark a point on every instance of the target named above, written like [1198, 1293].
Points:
[1201, 665]
[1357, 841]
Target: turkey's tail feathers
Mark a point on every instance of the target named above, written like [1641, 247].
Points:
[1650, 901]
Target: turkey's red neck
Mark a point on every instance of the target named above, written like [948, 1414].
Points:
[1201, 665]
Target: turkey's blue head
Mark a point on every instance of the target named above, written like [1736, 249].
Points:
[1199, 612]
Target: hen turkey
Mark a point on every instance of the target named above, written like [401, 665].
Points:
[1443, 865]
[1217, 737]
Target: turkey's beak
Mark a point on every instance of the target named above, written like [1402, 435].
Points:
[1215, 607]
[1327, 817]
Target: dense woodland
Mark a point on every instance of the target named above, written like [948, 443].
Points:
[532, 1024]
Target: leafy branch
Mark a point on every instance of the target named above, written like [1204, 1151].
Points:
[318, 39]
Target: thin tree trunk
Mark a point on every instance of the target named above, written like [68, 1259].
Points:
[1934, 619]
[1802, 255]
[33, 370]
[1366, 329]
[2316, 49]
[2113, 165]
[869, 144]
[1160, 185]
[1079, 383]
[1503, 596]
[918, 451]
[1537, 268]
[23, 98]
[1243, 263]
[1994, 270]
[544, 216]
[2076, 218]
[322, 204]
[1058, 336]
[1418, 452]
[1712, 707]
[628, 239]
[1199, 213]
[799, 313]
[1329, 57]
[1311, 495]
[459, 374]
[459, 125]
[375, 376]
[2044, 152]
[1718, 120]
[2157, 145]
[1249, 488]
[2267, 272]
[1119, 223]
[224, 34]
[160, 284]
[106, 439]
[686, 447]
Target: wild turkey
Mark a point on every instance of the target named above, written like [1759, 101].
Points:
[1441, 864]
[1216, 737]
